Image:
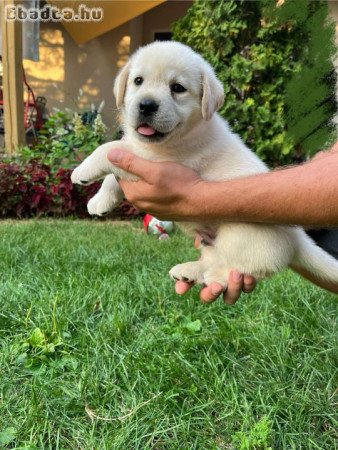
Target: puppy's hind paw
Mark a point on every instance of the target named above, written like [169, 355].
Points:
[191, 272]
[216, 275]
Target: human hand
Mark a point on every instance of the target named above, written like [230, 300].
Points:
[166, 190]
[237, 283]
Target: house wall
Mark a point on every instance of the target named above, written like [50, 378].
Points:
[75, 76]
[161, 17]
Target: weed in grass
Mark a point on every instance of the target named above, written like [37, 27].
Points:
[256, 437]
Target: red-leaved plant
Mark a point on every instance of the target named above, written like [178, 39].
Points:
[33, 190]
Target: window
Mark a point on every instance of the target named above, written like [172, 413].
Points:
[162, 36]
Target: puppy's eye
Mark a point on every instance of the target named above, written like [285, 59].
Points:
[138, 81]
[177, 88]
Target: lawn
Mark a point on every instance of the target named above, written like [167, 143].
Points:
[98, 352]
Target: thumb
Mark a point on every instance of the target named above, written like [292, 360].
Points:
[130, 162]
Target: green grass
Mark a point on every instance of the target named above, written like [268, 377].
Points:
[97, 351]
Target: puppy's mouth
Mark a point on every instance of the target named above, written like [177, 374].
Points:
[150, 133]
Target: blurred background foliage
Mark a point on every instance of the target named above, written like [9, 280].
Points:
[275, 62]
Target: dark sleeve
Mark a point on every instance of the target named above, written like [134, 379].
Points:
[326, 238]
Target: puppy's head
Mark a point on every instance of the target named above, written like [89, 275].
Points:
[165, 90]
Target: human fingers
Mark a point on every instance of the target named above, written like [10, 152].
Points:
[249, 284]
[132, 163]
[208, 294]
[234, 288]
[181, 287]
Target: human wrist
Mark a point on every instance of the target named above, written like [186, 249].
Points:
[220, 200]
[197, 201]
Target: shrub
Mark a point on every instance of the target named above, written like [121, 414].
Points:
[36, 182]
[65, 140]
[256, 48]
[34, 189]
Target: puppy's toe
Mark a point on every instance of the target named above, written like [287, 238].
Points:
[78, 178]
[84, 174]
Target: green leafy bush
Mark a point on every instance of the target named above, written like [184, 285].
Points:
[65, 140]
[256, 48]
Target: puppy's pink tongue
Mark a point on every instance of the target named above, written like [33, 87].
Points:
[146, 130]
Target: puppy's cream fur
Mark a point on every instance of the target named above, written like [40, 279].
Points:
[197, 137]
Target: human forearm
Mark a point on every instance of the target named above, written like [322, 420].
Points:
[303, 195]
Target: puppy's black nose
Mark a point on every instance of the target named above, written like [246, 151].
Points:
[148, 107]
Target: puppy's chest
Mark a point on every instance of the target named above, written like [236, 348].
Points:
[162, 153]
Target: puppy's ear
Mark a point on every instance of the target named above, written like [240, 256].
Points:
[120, 84]
[213, 94]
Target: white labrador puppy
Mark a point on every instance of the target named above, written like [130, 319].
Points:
[168, 97]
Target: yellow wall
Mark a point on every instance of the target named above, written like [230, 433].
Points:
[74, 76]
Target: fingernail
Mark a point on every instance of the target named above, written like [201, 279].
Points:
[237, 276]
[115, 155]
[216, 290]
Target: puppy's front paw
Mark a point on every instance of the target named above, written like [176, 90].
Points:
[191, 272]
[101, 204]
[79, 176]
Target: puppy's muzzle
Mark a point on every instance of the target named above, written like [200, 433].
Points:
[148, 107]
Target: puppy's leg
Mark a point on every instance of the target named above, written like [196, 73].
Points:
[97, 165]
[107, 198]
[253, 249]
[94, 167]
